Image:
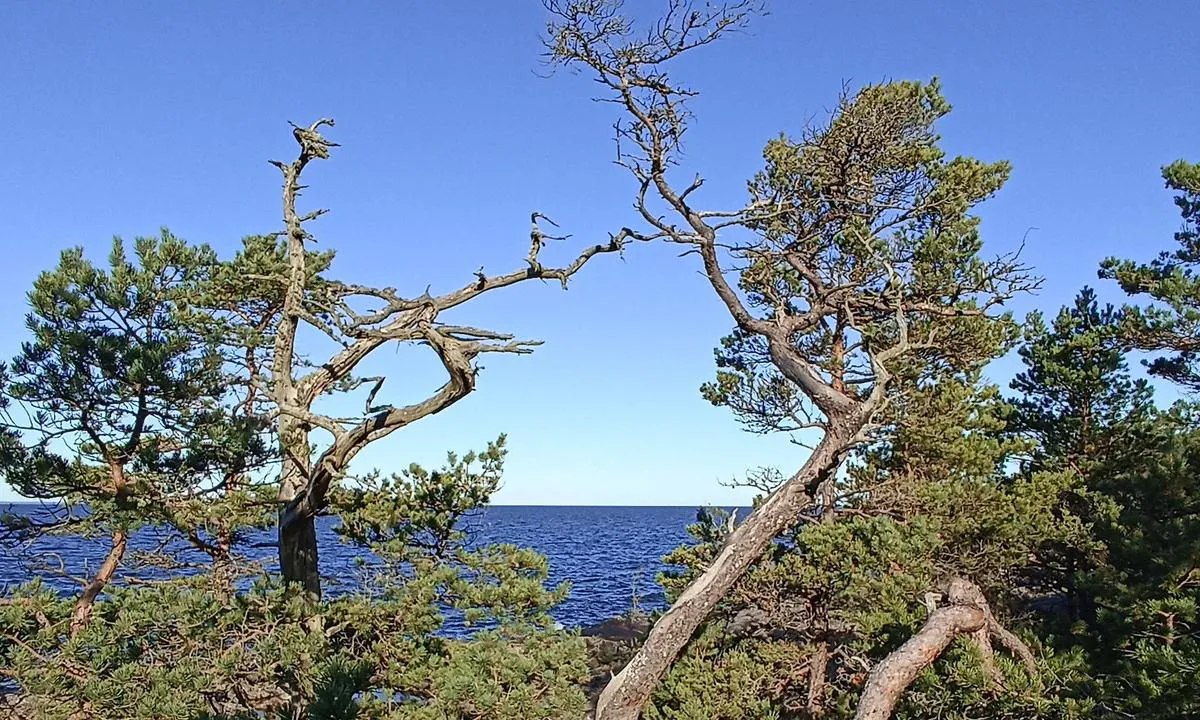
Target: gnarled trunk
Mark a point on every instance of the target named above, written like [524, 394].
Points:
[968, 614]
[896, 672]
[87, 600]
[631, 688]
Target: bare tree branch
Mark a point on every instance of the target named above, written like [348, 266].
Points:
[337, 310]
[853, 248]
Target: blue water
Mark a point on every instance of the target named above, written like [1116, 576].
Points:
[604, 551]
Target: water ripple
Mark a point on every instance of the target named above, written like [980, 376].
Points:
[605, 552]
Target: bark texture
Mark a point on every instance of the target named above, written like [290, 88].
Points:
[890, 678]
[968, 614]
[298, 553]
[818, 669]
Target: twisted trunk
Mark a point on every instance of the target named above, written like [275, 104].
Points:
[967, 614]
[87, 600]
[897, 671]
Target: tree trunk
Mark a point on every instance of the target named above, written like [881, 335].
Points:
[297, 528]
[630, 689]
[83, 606]
[298, 552]
[968, 614]
[896, 672]
[818, 668]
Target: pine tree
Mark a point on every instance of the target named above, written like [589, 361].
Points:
[935, 502]
[278, 289]
[1144, 637]
[1077, 400]
[118, 409]
[1129, 598]
[145, 423]
[855, 260]
[1172, 324]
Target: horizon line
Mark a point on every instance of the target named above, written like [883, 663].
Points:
[35, 501]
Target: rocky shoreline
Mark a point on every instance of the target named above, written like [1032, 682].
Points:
[610, 644]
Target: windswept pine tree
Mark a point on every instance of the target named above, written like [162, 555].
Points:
[1071, 506]
[855, 262]
[149, 400]
[919, 547]
[294, 291]
[940, 548]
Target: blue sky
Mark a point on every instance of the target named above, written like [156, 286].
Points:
[121, 118]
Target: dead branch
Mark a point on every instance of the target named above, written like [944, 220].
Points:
[336, 309]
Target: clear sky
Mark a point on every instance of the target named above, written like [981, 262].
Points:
[119, 118]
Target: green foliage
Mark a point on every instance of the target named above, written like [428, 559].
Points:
[936, 497]
[865, 220]
[1130, 597]
[109, 372]
[141, 385]
[415, 523]
[717, 682]
[1143, 638]
[418, 513]
[1074, 506]
[120, 410]
[1078, 402]
[173, 650]
[138, 403]
[180, 650]
[1170, 281]
[875, 238]
[958, 688]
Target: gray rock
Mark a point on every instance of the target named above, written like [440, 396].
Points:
[747, 621]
